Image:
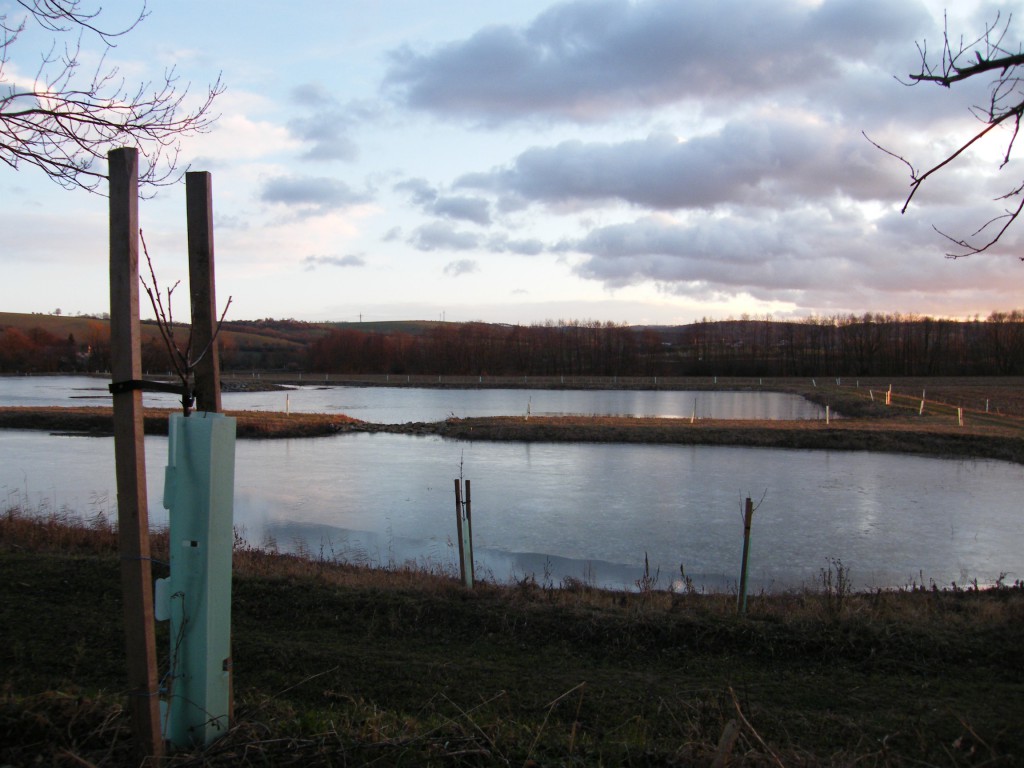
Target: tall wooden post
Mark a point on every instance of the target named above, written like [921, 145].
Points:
[203, 296]
[129, 452]
[199, 210]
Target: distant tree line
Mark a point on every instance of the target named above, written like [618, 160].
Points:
[866, 345]
[863, 345]
[571, 348]
[37, 349]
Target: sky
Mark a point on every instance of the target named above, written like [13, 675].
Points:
[645, 162]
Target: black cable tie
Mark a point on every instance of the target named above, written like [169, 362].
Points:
[120, 387]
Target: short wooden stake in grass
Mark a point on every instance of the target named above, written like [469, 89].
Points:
[130, 455]
[748, 515]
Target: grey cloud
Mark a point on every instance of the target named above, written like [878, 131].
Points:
[584, 60]
[351, 260]
[780, 257]
[473, 209]
[503, 244]
[326, 126]
[461, 208]
[439, 236]
[324, 132]
[461, 267]
[420, 190]
[315, 194]
[310, 95]
[768, 163]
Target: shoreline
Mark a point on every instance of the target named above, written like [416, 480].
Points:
[939, 435]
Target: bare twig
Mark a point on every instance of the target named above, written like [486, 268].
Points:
[751, 728]
[181, 359]
[551, 707]
[66, 122]
[959, 61]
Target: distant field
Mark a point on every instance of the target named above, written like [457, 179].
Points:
[82, 327]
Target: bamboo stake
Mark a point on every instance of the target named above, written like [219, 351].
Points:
[130, 456]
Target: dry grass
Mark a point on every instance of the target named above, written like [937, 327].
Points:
[98, 420]
[339, 665]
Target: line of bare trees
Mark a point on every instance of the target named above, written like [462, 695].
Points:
[865, 345]
[575, 347]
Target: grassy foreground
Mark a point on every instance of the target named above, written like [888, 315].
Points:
[337, 665]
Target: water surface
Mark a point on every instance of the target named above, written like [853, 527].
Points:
[587, 511]
[399, 405]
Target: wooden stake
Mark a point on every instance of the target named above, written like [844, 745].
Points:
[130, 455]
[469, 533]
[199, 210]
[203, 295]
[748, 515]
[458, 528]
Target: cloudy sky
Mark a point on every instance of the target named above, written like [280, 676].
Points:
[653, 161]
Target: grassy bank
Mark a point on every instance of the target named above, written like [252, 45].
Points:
[337, 665]
[939, 434]
[99, 421]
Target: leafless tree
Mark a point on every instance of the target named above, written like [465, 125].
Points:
[962, 60]
[63, 120]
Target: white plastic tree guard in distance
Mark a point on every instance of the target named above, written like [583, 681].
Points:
[199, 494]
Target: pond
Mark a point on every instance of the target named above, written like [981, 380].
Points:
[585, 511]
[398, 405]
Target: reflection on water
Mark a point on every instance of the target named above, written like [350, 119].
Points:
[586, 511]
[399, 405]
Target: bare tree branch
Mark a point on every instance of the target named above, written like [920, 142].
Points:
[182, 359]
[961, 61]
[65, 122]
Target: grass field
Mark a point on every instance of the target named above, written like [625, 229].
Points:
[337, 665]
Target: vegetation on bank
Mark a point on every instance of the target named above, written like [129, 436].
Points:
[863, 421]
[341, 665]
[838, 345]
